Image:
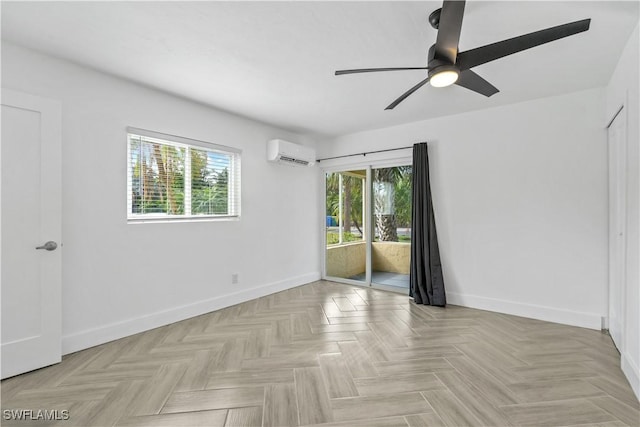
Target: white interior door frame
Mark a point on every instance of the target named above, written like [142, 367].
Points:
[40, 346]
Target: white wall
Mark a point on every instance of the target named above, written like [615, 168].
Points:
[623, 89]
[121, 278]
[520, 196]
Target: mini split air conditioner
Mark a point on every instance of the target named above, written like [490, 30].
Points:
[280, 151]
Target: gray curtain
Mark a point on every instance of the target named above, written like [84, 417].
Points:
[427, 283]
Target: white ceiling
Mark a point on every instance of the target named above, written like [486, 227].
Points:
[274, 61]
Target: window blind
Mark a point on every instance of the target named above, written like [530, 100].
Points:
[177, 178]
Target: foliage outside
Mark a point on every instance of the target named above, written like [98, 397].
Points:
[158, 179]
[392, 202]
[334, 238]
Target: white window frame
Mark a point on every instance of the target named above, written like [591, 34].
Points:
[234, 193]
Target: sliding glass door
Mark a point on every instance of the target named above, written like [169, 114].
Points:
[346, 251]
[391, 247]
[368, 226]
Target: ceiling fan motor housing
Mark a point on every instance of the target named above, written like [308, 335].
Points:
[435, 61]
[434, 18]
[437, 65]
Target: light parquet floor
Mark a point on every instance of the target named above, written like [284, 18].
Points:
[337, 355]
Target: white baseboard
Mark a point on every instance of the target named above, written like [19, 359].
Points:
[631, 371]
[549, 314]
[114, 331]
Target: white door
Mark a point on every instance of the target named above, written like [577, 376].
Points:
[30, 212]
[617, 226]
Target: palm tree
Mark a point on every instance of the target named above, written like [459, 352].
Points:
[384, 195]
[346, 213]
[387, 183]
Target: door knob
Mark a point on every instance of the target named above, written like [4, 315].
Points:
[49, 246]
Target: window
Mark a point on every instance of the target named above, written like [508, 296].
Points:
[170, 178]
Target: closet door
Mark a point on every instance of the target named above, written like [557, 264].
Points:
[617, 226]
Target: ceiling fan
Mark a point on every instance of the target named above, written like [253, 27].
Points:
[447, 66]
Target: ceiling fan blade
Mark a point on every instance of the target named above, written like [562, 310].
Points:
[373, 70]
[449, 30]
[406, 94]
[491, 52]
[470, 80]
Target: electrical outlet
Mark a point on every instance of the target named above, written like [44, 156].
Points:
[234, 279]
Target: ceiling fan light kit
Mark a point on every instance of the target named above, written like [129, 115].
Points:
[444, 76]
[447, 66]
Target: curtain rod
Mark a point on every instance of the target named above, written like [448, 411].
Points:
[364, 154]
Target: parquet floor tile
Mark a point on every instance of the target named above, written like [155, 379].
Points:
[327, 354]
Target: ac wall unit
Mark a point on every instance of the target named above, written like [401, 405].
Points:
[281, 151]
